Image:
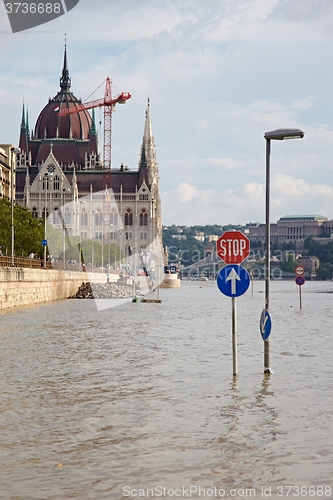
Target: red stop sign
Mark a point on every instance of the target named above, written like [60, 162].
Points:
[233, 247]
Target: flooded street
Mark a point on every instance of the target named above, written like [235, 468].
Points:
[103, 405]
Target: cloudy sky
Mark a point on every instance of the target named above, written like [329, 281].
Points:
[219, 74]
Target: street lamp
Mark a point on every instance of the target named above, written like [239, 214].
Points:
[80, 238]
[14, 151]
[63, 223]
[47, 175]
[114, 237]
[276, 135]
[103, 220]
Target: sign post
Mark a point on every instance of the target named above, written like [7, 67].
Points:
[300, 280]
[233, 280]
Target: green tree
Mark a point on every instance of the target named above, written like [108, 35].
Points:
[288, 262]
[323, 273]
[28, 231]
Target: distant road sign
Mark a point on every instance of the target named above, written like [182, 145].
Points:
[299, 280]
[299, 270]
[233, 247]
[265, 324]
[233, 280]
[44, 243]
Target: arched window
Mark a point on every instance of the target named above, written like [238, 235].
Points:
[46, 180]
[47, 213]
[34, 213]
[98, 218]
[56, 217]
[56, 183]
[67, 216]
[128, 218]
[143, 218]
[84, 218]
[114, 218]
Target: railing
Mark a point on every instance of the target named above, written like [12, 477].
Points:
[6, 261]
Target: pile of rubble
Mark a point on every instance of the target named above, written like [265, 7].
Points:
[103, 291]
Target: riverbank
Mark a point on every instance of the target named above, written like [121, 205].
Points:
[23, 286]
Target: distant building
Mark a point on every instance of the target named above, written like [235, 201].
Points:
[310, 264]
[212, 237]
[178, 236]
[293, 229]
[7, 167]
[199, 236]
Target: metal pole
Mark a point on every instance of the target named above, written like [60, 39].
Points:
[92, 241]
[12, 207]
[109, 255]
[79, 226]
[102, 246]
[267, 363]
[63, 227]
[300, 297]
[45, 206]
[234, 336]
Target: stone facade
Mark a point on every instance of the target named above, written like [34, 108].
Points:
[7, 166]
[293, 229]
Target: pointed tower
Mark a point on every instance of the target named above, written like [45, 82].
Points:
[93, 135]
[149, 146]
[65, 81]
[23, 141]
[27, 126]
[148, 166]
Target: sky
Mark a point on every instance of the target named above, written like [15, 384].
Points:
[218, 73]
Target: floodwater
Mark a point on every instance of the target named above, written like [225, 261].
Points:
[139, 401]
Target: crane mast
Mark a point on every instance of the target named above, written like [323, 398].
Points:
[108, 103]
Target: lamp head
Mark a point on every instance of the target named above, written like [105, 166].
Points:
[284, 133]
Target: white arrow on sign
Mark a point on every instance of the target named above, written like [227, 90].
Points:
[233, 276]
[263, 325]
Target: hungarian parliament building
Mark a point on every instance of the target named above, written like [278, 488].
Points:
[60, 174]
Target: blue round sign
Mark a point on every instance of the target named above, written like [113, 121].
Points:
[300, 280]
[44, 243]
[233, 280]
[265, 324]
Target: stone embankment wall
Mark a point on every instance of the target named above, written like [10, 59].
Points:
[24, 286]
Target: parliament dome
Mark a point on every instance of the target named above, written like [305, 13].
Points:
[50, 125]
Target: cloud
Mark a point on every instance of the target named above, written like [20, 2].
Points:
[289, 195]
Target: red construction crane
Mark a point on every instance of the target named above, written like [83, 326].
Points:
[108, 104]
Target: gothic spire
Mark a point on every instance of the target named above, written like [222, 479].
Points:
[27, 125]
[148, 132]
[93, 125]
[65, 81]
[143, 159]
[23, 141]
[23, 124]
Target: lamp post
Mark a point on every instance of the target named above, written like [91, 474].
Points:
[14, 151]
[276, 135]
[47, 175]
[103, 220]
[63, 223]
[80, 238]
